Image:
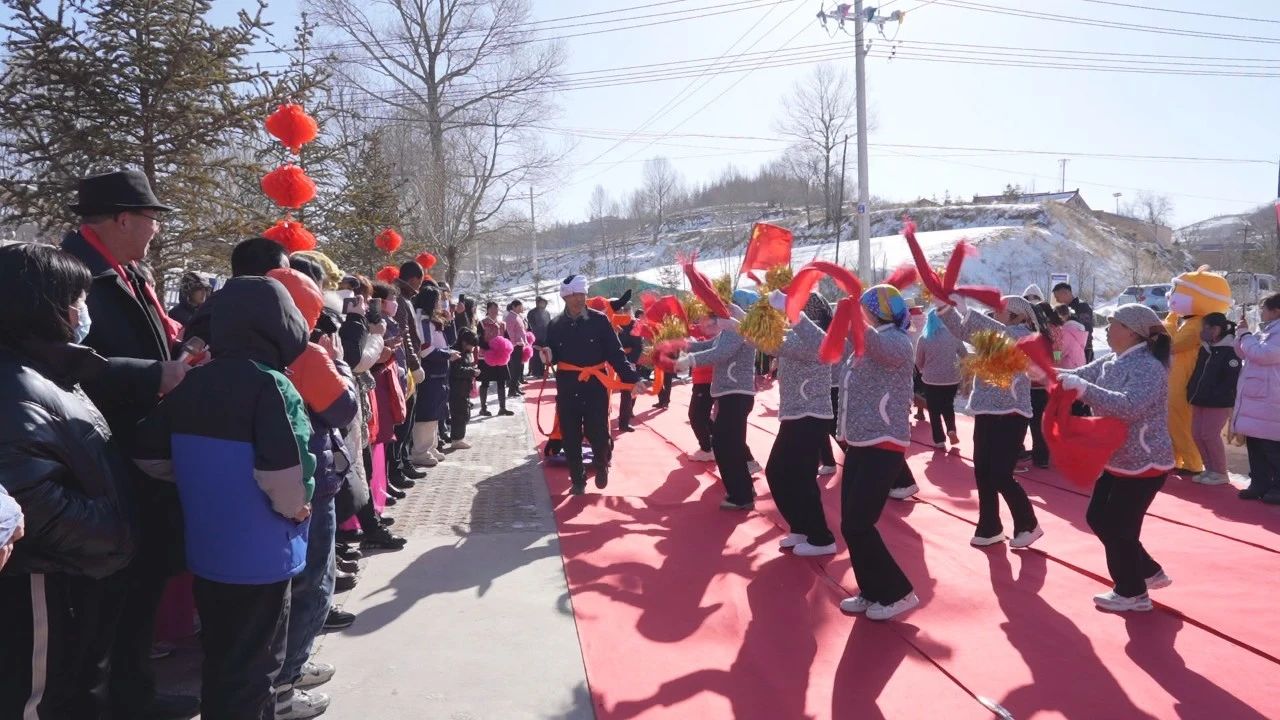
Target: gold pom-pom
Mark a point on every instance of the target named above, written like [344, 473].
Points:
[926, 297]
[763, 326]
[694, 309]
[996, 359]
[777, 278]
[671, 328]
[724, 288]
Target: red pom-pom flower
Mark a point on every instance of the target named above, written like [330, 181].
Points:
[388, 240]
[288, 186]
[426, 260]
[292, 235]
[292, 126]
[389, 274]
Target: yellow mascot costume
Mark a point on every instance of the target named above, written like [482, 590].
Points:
[1195, 294]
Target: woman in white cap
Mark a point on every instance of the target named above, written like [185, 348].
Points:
[1001, 415]
[1132, 385]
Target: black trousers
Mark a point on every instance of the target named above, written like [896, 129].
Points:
[626, 408]
[729, 443]
[243, 631]
[459, 407]
[367, 514]
[941, 402]
[792, 473]
[583, 406]
[484, 394]
[700, 405]
[864, 489]
[832, 429]
[664, 394]
[133, 682]
[515, 367]
[1039, 449]
[1264, 464]
[1115, 514]
[55, 642]
[997, 442]
[404, 436]
[536, 368]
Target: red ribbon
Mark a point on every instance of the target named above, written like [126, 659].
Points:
[946, 287]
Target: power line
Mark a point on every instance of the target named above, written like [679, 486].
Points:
[1181, 12]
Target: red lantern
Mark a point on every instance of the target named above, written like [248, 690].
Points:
[388, 240]
[389, 274]
[289, 187]
[292, 126]
[291, 235]
[426, 260]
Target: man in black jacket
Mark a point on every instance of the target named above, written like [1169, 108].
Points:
[1083, 313]
[120, 216]
[633, 346]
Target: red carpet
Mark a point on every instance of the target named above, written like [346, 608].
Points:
[686, 611]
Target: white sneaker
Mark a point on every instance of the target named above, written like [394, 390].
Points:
[979, 541]
[855, 604]
[804, 549]
[1211, 478]
[792, 540]
[754, 467]
[1112, 602]
[1024, 539]
[300, 704]
[460, 445]
[884, 612]
[1159, 581]
[904, 493]
[827, 470]
[315, 673]
[940, 444]
[702, 456]
[435, 453]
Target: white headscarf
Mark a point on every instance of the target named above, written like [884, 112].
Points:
[573, 285]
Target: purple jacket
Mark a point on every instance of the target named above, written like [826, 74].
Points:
[1257, 411]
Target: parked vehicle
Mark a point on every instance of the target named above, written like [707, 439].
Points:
[1250, 288]
[1155, 297]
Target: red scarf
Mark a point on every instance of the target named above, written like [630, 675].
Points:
[172, 329]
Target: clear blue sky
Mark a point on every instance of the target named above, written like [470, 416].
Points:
[940, 104]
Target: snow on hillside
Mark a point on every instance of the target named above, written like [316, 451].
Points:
[1018, 245]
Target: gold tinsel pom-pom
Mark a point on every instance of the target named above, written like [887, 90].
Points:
[926, 297]
[724, 288]
[671, 328]
[777, 278]
[763, 324]
[695, 310]
[996, 359]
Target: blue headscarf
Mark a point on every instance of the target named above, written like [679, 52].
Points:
[932, 324]
[885, 303]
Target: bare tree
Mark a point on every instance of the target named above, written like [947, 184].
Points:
[1155, 210]
[465, 80]
[661, 185]
[819, 115]
[805, 167]
[598, 208]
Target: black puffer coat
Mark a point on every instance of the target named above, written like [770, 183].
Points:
[58, 461]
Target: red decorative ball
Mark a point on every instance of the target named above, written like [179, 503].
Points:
[291, 235]
[388, 240]
[389, 274]
[292, 126]
[426, 260]
[289, 187]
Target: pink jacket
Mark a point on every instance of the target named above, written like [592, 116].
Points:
[515, 328]
[1069, 343]
[1257, 411]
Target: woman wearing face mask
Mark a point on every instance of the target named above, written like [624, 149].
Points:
[58, 461]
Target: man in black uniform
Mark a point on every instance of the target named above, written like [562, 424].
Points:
[632, 346]
[582, 342]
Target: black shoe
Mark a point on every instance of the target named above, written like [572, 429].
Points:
[1272, 497]
[346, 552]
[338, 620]
[660, 406]
[602, 476]
[409, 472]
[626, 428]
[1250, 494]
[386, 521]
[390, 501]
[347, 536]
[380, 539]
[349, 566]
[505, 411]
[344, 581]
[171, 707]
[401, 483]
[395, 492]
[578, 489]
[485, 413]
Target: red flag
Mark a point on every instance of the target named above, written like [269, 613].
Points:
[770, 245]
[658, 310]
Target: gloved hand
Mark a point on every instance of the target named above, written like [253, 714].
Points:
[1036, 375]
[419, 376]
[778, 300]
[736, 313]
[1075, 383]
[683, 363]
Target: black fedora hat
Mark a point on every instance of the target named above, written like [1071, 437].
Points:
[117, 191]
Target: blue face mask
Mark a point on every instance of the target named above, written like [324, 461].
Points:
[82, 327]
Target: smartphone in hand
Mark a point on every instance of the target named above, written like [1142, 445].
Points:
[375, 310]
[193, 351]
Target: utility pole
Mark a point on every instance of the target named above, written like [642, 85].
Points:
[1276, 269]
[864, 184]
[1063, 162]
[533, 230]
[1117, 197]
[844, 157]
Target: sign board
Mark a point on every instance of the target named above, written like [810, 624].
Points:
[862, 209]
[1055, 278]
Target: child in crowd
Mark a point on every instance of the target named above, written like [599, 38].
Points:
[462, 372]
[1212, 394]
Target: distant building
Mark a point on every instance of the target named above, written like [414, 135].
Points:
[1070, 198]
[1136, 229]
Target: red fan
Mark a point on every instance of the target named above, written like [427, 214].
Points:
[292, 235]
[292, 126]
[1080, 446]
[702, 287]
[945, 287]
[426, 260]
[388, 240]
[389, 274]
[288, 186]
